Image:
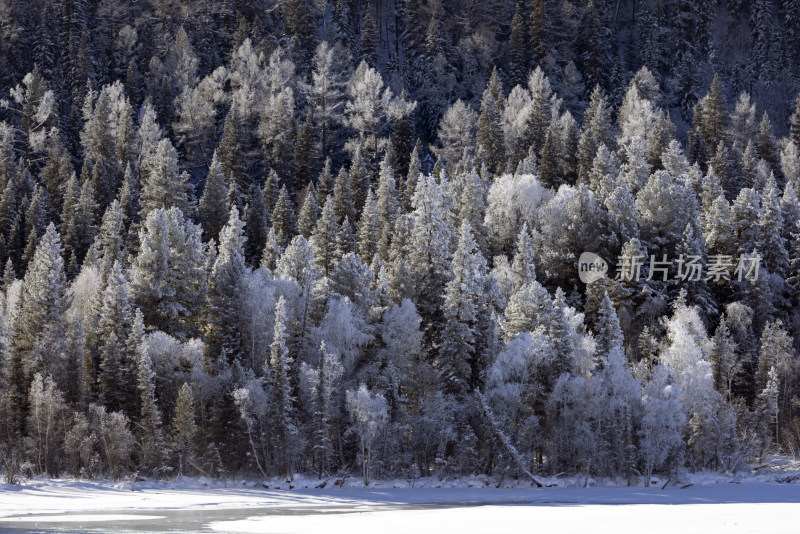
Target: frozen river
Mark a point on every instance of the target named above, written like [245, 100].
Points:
[88, 507]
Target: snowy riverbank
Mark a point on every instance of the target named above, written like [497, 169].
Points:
[715, 503]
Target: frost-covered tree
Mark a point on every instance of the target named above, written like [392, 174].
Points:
[368, 411]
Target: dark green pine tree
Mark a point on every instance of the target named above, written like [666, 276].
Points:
[116, 369]
[539, 38]
[304, 158]
[517, 48]
[402, 140]
[309, 213]
[343, 204]
[490, 132]
[323, 239]
[283, 401]
[283, 218]
[222, 326]
[212, 210]
[712, 123]
[256, 226]
[39, 321]
[231, 153]
[595, 57]
[368, 46]
[767, 145]
[794, 122]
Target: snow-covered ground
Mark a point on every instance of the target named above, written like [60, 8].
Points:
[710, 504]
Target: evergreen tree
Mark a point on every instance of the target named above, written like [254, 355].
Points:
[323, 239]
[212, 209]
[369, 229]
[256, 226]
[283, 218]
[464, 296]
[164, 186]
[39, 320]
[517, 49]
[152, 445]
[368, 47]
[116, 371]
[309, 213]
[490, 133]
[184, 429]
[343, 197]
[539, 32]
[283, 401]
[222, 325]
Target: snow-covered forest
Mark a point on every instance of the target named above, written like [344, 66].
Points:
[275, 237]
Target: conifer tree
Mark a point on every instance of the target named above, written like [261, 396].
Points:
[463, 299]
[212, 209]
[184, 429]
[369, 228]
[323, 239]
[116, 370]
[283, 218]
[343, 197]
[152, 446]
[517, 49]
[283, 401]
[256, 226]
[164, 185]
[39, 320]
[222, 325]
[490, 133]
[309, 213]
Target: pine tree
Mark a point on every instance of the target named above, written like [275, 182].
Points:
[152, 453]
[539, 32]
[222, 326]
[283, 218]
[256, 226]
[184, 429]
[283, 401]
[323, 239]
[168, 272]
[523, 266]
[164, 186]
[115, 320]
[712, 123]
[595, 58]
[368, 47]
[232, 154]
[766, 144]
[309, 213]
[794, 122]
[343, 204]
[303, 154]
[414, 170]
[212, 209]
[540, 109]
[388, 205]
[517, 56]
[597, 130]
[463, 298]
[430, 253]
[723, 359]
[490, 133]
[325, 183]
[369, 229]
[609, 334]
[39, 319]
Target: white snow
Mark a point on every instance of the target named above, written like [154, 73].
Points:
[711, 504]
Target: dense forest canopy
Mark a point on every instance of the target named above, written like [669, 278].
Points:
[269, 238]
